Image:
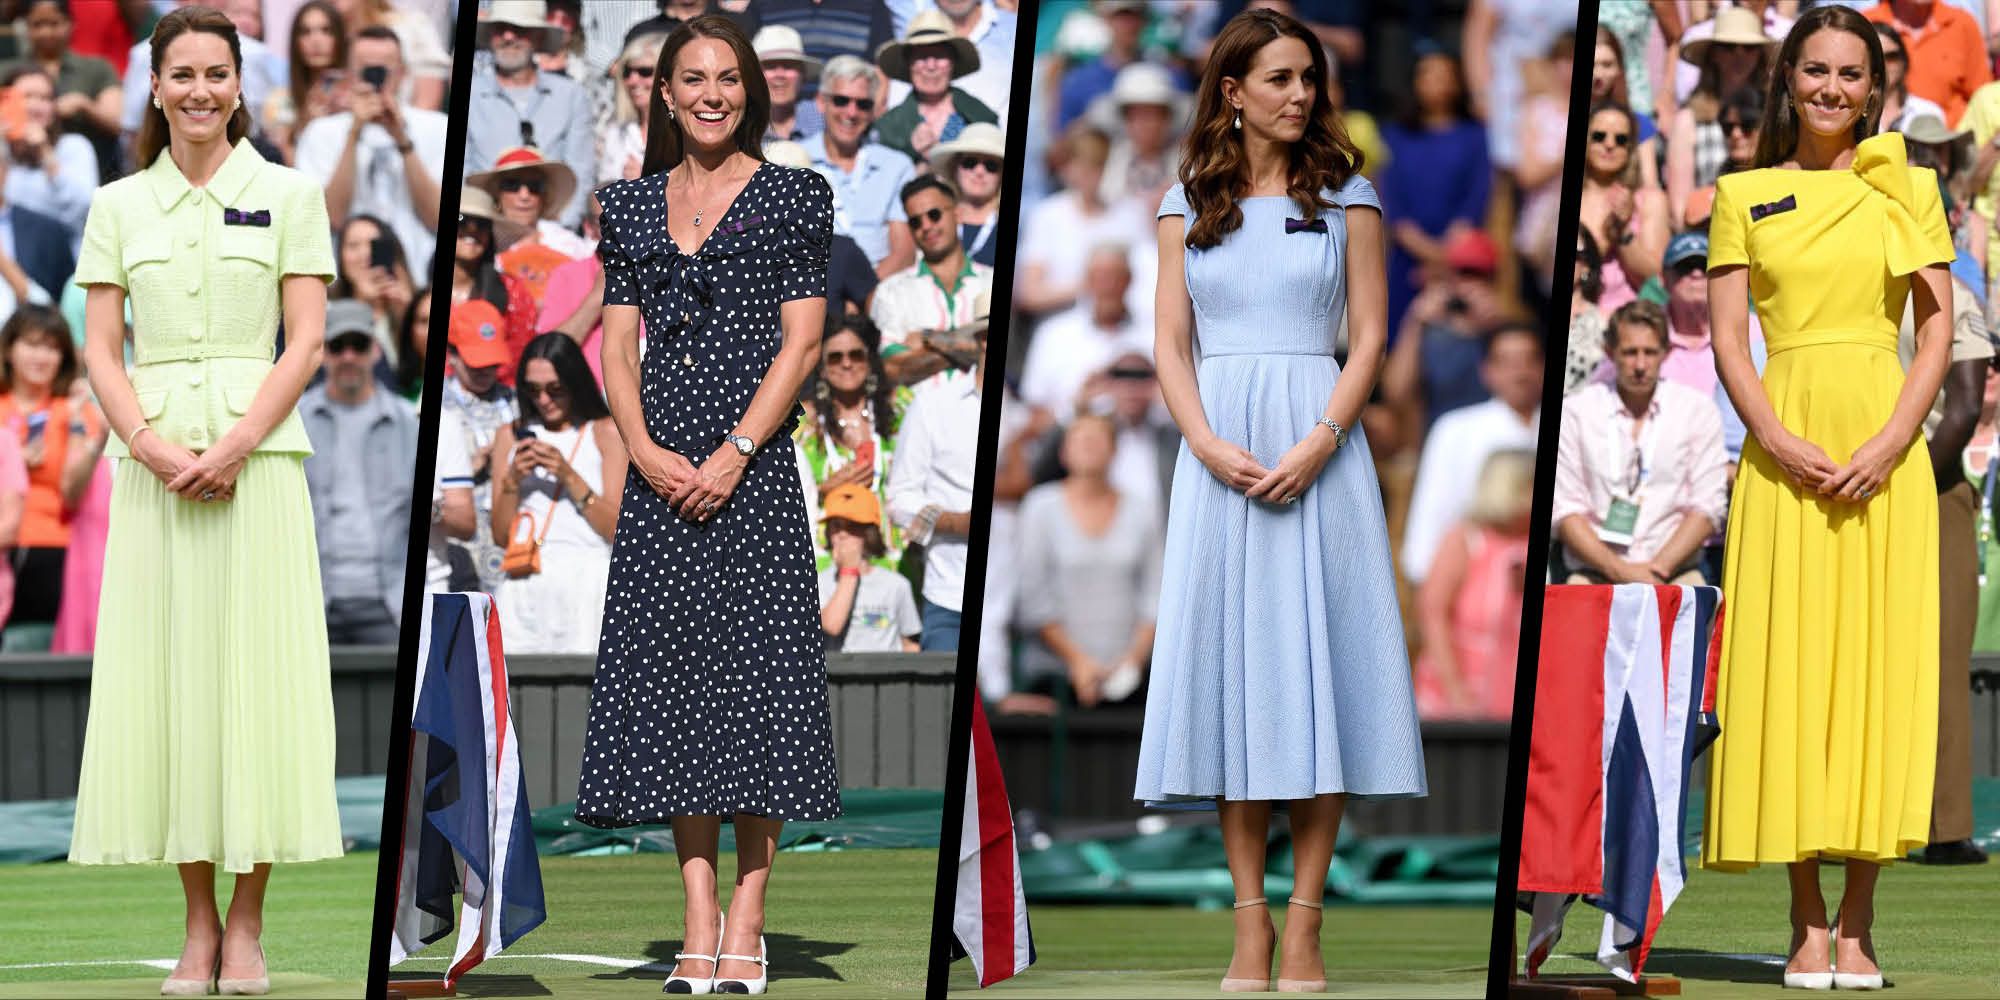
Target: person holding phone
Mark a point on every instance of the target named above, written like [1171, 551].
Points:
[53, 171]
[60, 435]
[372, 271]
[379, 157]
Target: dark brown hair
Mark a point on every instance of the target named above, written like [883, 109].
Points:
[663, 134]
[302, 75]
[1620, 91]
[45, 320]
[1779, 139]
[1213, 163]
[153, 134]
[882, 403]
[1638, 312]
[1706, 100]
[871, 536]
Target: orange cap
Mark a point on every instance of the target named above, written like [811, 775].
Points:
[851, 503]
[478, 333]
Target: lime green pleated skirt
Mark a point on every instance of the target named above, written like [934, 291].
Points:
[211, 707]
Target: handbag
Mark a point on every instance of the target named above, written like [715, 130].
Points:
[523, 557]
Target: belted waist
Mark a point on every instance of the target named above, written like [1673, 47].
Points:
[1207, 354]
[199, 352]
[1882, 340]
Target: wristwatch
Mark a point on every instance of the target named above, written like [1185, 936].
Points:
[744, 445]
[1339, 432]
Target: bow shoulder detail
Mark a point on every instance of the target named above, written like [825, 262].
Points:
[1915, 235]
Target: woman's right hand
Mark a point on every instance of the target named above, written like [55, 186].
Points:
[1232, 464]
[1086, 679]
[1804, 463]
[668, 472]
[163, 459]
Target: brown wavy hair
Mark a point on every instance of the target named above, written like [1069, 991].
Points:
[302, 76]
[663, 134]
[1779, 138]
[153, 130]
[1214, 171]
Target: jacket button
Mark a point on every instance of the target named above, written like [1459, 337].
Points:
[194, 334]
[194, 380]
[192, 240]
[194, 289]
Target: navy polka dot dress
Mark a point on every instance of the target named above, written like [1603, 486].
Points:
[710, 695]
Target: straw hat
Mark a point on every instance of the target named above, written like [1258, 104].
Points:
[476, 203]
[530, 14]
[1931, 131]
[1140, 83]
[781, 43]
[931, 27]
[1733, 26]
[560, 180]
[786, 153]
[984, 138]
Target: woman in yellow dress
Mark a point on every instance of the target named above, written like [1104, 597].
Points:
[210, 740]
[1827, 694]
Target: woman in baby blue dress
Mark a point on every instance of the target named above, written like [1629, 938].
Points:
[1279, 671]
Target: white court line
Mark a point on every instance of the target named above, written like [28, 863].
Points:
[628, 964]
[157, 963]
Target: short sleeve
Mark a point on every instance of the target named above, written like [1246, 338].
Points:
[621, 288]
[802, 274]
[1930, 214]
[100, 262]
[1358, 193]
[1174, 203]
[307, 246]
[1726, 241]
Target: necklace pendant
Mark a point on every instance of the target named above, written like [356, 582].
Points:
[697, 218]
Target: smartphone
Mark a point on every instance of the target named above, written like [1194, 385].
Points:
[375, 76]
[382, 254]
[13, 114]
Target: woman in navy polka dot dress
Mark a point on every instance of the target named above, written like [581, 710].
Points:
[710, 696]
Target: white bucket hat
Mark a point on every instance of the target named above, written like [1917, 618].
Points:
[532, 15]
[781, 43]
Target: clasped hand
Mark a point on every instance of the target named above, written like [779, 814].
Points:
[694, 492]
[208, 476]
[1240, 471]
[1807, 466]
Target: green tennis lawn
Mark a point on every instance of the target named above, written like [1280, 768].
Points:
[1163, 951]
[1726, 936]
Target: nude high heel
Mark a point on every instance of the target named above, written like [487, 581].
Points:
[251, 987]
[1247, 985]
[1302, 985]
[202, 987]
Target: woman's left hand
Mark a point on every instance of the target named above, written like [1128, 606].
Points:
[715, 480]
[548, 457]
[212, 476]
[1295, 471]
[1864, 474]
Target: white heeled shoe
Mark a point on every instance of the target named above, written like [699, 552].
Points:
[698, 985]
[1857, 980]
[751, 987]
[1809, 980]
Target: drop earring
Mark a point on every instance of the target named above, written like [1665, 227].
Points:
[1238, 123]
[156, 102]
[670, 112]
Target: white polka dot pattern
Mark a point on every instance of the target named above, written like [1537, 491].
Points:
[710, 696]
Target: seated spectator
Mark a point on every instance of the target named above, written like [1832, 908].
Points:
[88, 96]
[928, 58]
[850, 277]
[787, 72]
[529, 191]
[558, 117]
[1437, 181]
[318, 82]
[37, 262]
[1469, 608]
[60, 434]
[1464, 438]
[556, 494]
[1899, 106]
[475, 272]
[832, 28]
[917, 308]
[482, 404]
[1608, 86]
[364, 441]
[1947, 56]
[1641, 477]
[1433, 369]
[1089, 574]
[972, 164]
[50, 171]
[371, 270]
[1626, 218]
[423, 52]
[1072, 345]
[379, 157]
[621, 149]
[1060, 230]
[991, 29]
[1146, 112]
[864, 608]
[1586, 319]
[867, 177]
[1690, 359]
[854, 411]
[13, 502]
[1737, 53]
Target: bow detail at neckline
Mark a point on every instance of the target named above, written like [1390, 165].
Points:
[1882, 162]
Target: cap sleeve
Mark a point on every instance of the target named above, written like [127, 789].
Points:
[307, 246]
[809, 226]
[101, 263]
[1358, 193]
[1930, 215]
[1726, 227]
[620, 286]
[1175, 203]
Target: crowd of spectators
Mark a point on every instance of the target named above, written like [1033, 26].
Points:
[902, 107]
[1462, 123]
[349, 91]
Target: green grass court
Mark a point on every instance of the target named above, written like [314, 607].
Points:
[1161, 951]
[1726, 935]
[843, 924]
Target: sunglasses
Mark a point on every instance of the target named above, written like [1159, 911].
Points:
[1746, 128]
[639, 70]
[532, 185]
[554, 391]
[1693, 265]
[990, 164]
[856, 356]
[842, 100]
[472, 225]
[349, 343]
[1726, 47]
[931, 216]
[1619, 139]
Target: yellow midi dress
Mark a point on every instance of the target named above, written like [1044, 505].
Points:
[1827, 687]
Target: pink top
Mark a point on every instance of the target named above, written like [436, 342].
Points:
[1485, 628]
[568, 285]
[1690, 360]
[1680, 467]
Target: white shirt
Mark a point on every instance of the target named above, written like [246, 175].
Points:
[454, 472]
[1058, 236]
[1455, 450]
[380, 189]
[1067, 349]
[912, 300]
[936, 452]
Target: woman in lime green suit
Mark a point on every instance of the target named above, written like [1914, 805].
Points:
[210, 739]
[1827, 685]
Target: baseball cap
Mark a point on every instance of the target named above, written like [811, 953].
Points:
[851, 503]
[476, 333]
[1472, 250]
[349, 316]
[1686, 245]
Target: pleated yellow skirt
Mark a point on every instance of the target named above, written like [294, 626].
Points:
[1828, 683]
[211, 731]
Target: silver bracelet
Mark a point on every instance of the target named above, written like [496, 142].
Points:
[1339, 432]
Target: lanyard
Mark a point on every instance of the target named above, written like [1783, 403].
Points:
[1638, 467]
[985, 233]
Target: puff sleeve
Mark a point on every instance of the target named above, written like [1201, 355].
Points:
[1174, 203]
[306, 241]
[1727, 243]
[809, 237]
[1358, 193]
[101, 262]
[621, 287]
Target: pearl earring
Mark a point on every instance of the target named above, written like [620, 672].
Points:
[1238, 123]
[670, 112]
[156, 102]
